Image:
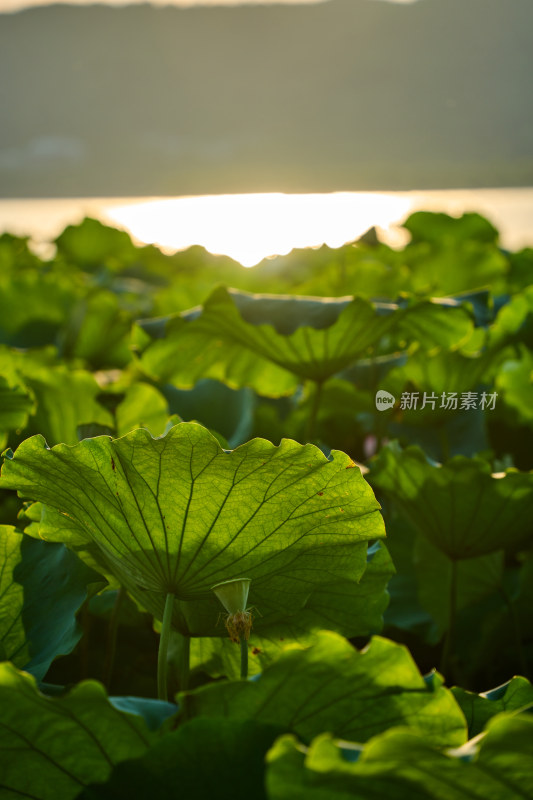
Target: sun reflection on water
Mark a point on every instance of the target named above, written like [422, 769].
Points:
[250, 227]
[254, 226]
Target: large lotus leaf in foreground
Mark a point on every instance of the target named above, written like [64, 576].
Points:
[333, 687]
[178, 514]
[203, 759]
[50, 748]
[402, 765]
[272, 342]
[42, 585]
[460, 506]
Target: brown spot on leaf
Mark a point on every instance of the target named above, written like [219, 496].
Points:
[320, 494]
[112, 463]
[255, 651]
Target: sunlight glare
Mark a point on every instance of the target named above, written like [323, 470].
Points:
[251, 227]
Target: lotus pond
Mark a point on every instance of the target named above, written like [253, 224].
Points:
[267, 533]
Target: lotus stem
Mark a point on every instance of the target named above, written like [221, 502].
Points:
[446, 649]
[182, 662]
[311, 430]
[233, 595]
[517, 633]
[162, 659]
[111, 645]
[244, 658]
[85, 619]
[444, 444]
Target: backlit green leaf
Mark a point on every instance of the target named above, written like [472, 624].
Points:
[65, 399]
[515, 381]
[16, 404]
[50, 748]
[351, 608]
[333, 687]
[272, 342]
[178, 514]
[142, 407]
[402, 765]
[479, 708]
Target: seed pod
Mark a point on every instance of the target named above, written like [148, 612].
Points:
[233, 595]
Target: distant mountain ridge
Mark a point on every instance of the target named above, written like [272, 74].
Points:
[349, 94]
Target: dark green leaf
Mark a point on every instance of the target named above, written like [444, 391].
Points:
[42, 585]
[50, 748]
[205, 758]
[461, 507]
[217, 407]
[476, 578]
[33, 308]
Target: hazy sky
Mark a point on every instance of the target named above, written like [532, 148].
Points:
[346, 95]
[16, 5]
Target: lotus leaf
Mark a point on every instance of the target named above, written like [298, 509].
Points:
[351, 608]
[479, 708]
[42, 585]
[515, 381]
[201, 759]
[401, 765]
[178, 514]
[272, 342]
[460, 506]
[331, 686]
[50, 748]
